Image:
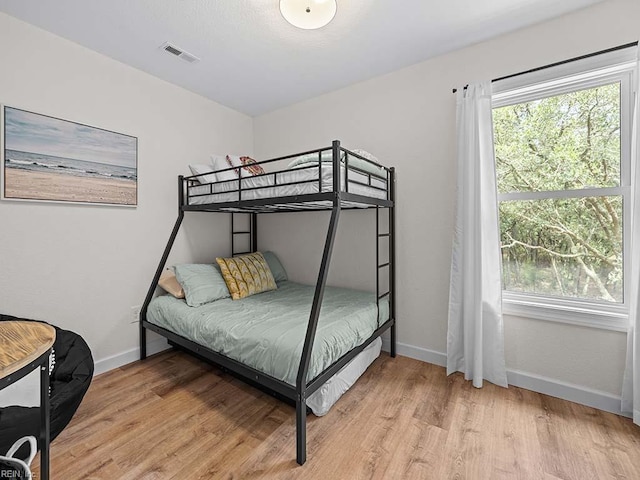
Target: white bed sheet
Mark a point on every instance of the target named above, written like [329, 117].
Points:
[228, 191]
[323, 399]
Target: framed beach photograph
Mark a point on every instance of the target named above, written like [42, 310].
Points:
[50, 159]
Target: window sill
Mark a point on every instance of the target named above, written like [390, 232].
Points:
[583, 313]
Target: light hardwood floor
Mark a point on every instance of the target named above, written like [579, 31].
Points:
[174, 417]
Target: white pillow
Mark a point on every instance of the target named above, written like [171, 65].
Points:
[219, 162]
[201, 169]
[367, 155]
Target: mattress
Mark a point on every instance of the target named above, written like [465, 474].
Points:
[266, 331]
[296, 181]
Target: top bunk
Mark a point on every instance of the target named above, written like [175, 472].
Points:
[299, 182]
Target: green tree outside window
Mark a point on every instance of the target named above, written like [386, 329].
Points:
[568, 246]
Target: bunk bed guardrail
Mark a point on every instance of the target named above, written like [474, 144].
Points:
[376, 177]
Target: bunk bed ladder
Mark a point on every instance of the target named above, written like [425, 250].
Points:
[389, 265]
[252, 232]
[392, 258]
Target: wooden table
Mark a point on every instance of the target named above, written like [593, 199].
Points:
[25, 346]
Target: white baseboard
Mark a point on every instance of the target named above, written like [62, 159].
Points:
[417, 353]
[566, 391]
[529, 381]
[130, 356]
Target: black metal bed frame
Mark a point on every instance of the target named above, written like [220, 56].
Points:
[335, 200]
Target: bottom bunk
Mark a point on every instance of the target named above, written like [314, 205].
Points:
[265, 334]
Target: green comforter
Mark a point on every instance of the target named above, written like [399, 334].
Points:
[266, 331]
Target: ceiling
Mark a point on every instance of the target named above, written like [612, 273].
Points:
[253, 61]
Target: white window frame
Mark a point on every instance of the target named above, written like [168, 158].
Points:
[618, 66]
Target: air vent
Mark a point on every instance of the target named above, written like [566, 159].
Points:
[180, 53]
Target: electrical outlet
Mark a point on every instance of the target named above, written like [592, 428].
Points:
[135, 313]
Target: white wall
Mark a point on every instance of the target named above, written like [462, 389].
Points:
[407, 119]
[83, 267]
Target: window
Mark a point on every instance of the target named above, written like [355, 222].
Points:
[562, 149]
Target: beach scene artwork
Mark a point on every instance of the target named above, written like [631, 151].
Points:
[47, 158]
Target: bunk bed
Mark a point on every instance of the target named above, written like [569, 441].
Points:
[310, 183]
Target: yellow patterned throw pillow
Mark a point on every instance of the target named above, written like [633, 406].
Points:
[246, 275]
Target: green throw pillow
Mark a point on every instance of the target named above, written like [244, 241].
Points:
[277, 270]
[202, 283]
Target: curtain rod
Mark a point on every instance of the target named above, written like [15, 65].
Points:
[555, 64]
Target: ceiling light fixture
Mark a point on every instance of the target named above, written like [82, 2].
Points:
[308, 14]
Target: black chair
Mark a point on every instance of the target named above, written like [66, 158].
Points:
[69, 382]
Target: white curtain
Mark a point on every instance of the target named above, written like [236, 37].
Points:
[475, 339]
[631, 382]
